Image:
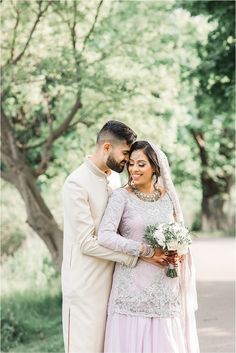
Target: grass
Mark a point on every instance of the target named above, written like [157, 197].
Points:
[30, 301]
[31, 322]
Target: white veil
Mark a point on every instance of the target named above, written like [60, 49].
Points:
[187, 278]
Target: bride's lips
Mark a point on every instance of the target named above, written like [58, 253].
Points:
[136, 176]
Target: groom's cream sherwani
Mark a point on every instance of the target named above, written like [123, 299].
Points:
[87, 267]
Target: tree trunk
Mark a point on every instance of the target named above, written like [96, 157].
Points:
[41, 220]
[215, 193]
[213, 215]
[16, 170]
[39, 216]
[217, 204]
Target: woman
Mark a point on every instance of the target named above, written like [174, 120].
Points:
[148, 311]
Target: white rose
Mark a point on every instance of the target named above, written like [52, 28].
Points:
[159, 236]
[161, 242]
[172, 245]
[177, 227]
[161, 226]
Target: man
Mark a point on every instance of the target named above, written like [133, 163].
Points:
[87, 267]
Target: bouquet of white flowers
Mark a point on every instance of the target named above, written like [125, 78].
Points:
[170, 237]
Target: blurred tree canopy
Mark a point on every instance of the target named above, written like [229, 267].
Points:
[164, 68]
[212, 126]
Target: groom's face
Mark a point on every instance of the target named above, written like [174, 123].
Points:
[118, 156]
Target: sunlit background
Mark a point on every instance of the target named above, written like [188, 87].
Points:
[166, 68]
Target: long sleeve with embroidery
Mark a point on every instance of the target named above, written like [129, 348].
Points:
[108, 233]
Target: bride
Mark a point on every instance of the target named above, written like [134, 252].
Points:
[148, 312]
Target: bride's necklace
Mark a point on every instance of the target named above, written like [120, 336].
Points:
[153, 196]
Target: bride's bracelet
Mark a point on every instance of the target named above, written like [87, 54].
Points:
[146, 250]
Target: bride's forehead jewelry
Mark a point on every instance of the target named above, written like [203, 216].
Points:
[154, 196]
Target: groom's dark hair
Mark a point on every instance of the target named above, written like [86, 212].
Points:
[115, 130]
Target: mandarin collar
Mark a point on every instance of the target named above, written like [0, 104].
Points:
[92, 166]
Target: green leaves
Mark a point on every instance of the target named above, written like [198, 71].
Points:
[149, 64]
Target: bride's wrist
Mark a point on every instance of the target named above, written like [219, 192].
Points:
[146, 250]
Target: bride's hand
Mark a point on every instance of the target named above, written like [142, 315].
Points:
[174, 258]
[159, 258]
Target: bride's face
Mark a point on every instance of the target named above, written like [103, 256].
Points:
[140, 168]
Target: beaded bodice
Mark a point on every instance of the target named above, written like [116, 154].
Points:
[144, 290]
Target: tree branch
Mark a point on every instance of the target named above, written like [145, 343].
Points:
[14, 35]
[59, 131]
[199, 139]
[92, 28]
[45, 155]
[80, 120]
[41, 143]
[73, 33]
[72, 29]
[39, 15]
[29, 147]
[89, 112]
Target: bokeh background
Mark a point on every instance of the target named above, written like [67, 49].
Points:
[166, 68]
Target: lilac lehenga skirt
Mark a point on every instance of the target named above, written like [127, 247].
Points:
[126, 333]
[134, 334]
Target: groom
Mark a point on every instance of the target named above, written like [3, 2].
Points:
[88, 267]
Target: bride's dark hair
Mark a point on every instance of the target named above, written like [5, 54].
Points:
[151, 156]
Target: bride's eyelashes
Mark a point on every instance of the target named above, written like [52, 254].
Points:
[141, 165]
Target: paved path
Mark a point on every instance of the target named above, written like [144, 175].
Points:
[215, 266]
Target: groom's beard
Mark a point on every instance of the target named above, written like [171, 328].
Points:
[114, 165]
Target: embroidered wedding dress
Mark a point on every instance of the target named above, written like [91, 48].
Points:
[148, 312]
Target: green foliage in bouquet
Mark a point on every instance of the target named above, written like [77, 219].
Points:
[148, 235]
